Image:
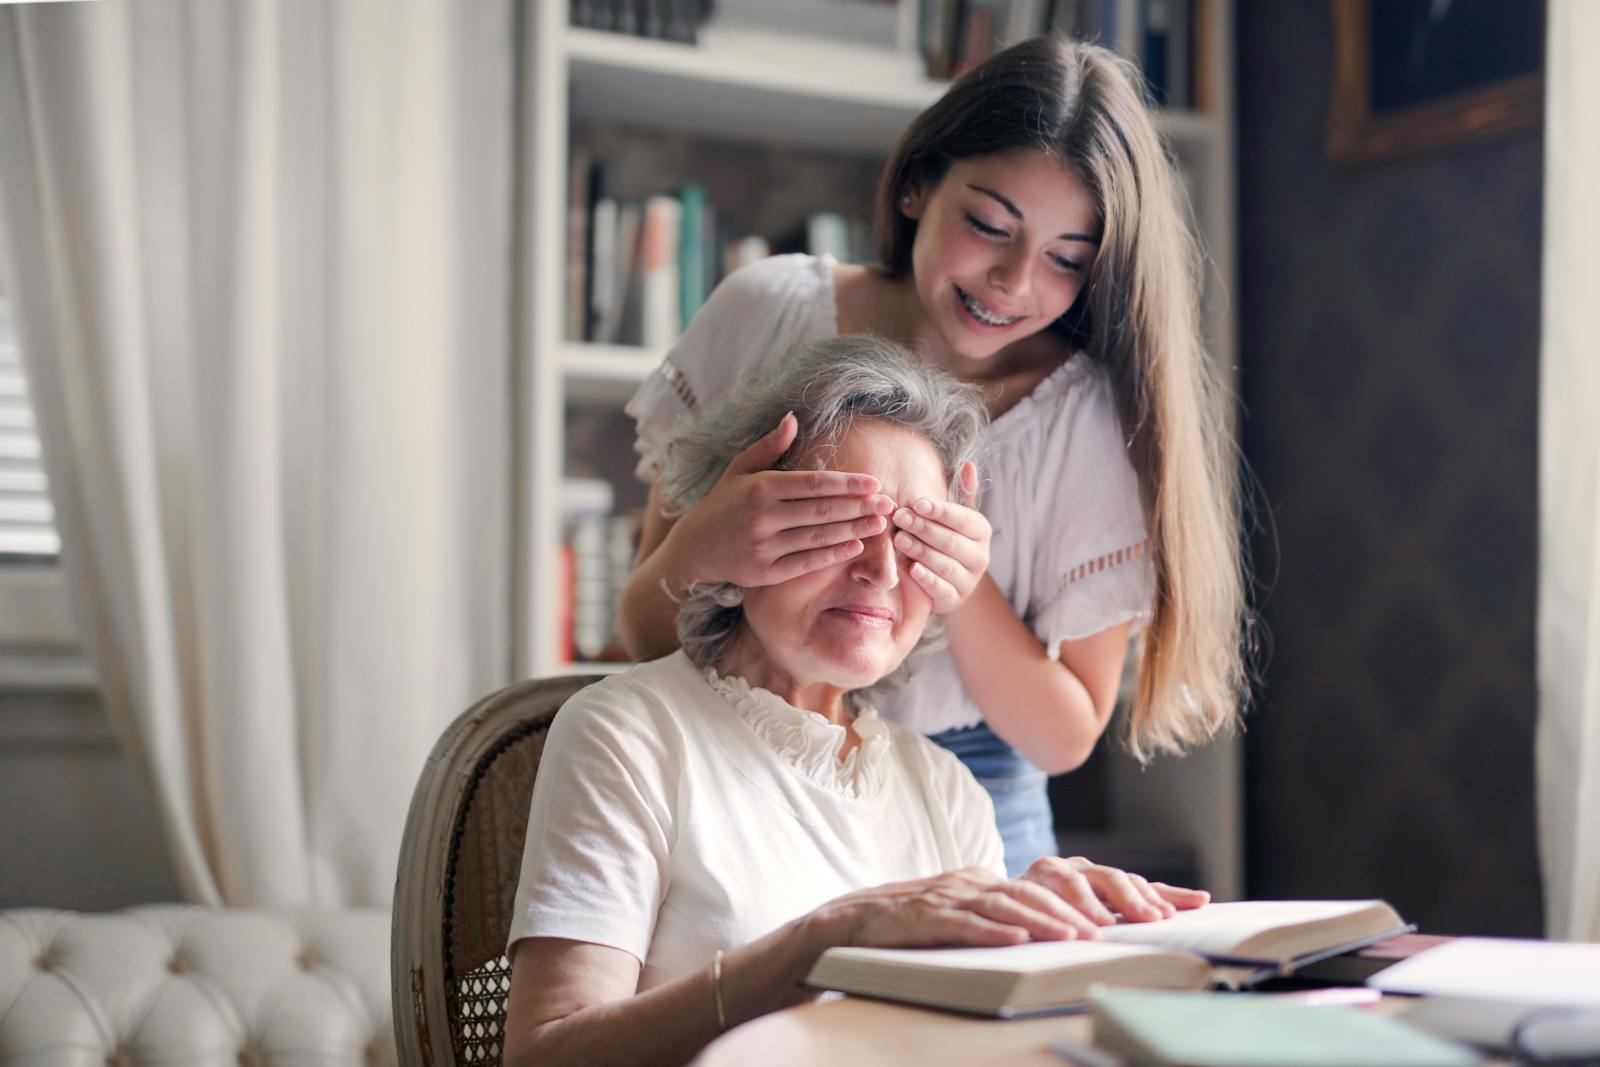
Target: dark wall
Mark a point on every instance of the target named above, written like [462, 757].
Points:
[1389, 338]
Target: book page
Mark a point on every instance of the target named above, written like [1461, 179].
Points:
[1218, 928]
[1021, 959]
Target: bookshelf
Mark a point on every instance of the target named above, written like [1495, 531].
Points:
[745, 86]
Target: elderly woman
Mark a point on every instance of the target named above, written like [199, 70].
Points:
[705, 825]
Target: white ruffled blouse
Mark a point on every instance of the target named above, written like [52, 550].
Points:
[677, 813]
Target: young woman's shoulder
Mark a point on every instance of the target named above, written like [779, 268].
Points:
[761, 310]
[1075, 399]
[790, 276]
[758, 313]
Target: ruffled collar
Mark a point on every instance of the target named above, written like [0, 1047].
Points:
[808, 741]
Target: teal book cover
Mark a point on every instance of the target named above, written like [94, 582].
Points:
[1148, 1027]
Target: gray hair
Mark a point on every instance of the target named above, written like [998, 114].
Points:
[828, 384]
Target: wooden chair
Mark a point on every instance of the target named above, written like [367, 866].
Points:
[460, 860]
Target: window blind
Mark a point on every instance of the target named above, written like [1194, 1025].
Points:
[27, 521]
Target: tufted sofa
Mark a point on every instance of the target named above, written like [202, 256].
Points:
[183, 986]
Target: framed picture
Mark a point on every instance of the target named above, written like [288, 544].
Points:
[1415, 75]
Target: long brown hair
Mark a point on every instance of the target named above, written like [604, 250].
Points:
[1137, 317]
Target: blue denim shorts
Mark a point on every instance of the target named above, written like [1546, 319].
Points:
[1017, 787]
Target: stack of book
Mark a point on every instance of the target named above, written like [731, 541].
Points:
[1168, 39]
[639, 269]
[667, 20]
[597, 555]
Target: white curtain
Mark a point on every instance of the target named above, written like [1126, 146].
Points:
[260, 256]
[1569, 479]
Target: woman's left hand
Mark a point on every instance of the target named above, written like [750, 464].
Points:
[948, 544]
[1101, 892]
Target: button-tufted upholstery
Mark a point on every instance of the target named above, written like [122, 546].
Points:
[181, 986]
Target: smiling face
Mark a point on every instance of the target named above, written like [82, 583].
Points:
[1003, 245]
[846, 626]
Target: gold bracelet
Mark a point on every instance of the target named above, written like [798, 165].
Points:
[716, 991]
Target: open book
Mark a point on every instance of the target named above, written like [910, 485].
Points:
[1231, 944]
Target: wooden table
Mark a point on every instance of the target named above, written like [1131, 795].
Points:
[853, 1032]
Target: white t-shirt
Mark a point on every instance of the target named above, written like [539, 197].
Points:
[677, 813]
[1069, 548]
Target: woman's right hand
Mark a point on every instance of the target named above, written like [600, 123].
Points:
[966, 907]
[759, 526]
[1056, 900]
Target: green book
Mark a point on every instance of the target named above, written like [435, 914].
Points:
[691, 253]
[1151, 1028]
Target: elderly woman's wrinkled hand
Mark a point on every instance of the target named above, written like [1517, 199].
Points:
[758, 527]
[1056, 900]
[1099, 891]
[948, 544]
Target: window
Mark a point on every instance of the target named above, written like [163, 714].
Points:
[27, 522]
[39, 646]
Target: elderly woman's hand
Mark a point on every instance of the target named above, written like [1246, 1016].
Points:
[759, 527]
[1056, 900]
[948, 544]
[1098, 891]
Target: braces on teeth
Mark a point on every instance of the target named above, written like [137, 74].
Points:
[982, 314]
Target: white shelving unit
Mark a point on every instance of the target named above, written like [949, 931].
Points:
[746, 86]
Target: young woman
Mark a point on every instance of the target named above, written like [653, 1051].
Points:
[1034, 240]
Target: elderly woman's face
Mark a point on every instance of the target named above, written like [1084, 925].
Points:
[850, 624]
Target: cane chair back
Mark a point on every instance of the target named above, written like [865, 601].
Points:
[456, 885]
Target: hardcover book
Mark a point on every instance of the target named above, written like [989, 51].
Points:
[1234, 944]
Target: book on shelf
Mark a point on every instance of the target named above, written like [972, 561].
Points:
[1180, 55]
[624, 321]
[667, 20]
[1178, 1029]
[1234, 944]
[862, 23]
[745, 251]
[1173, 48]
[957, 35]
[656, 263]
[596, 557]
[1156, 29]
[1087, 20]
[828, 233]
[600, 254]
[1169, 38]
[639, 269]
[693, 249]
[580, 169]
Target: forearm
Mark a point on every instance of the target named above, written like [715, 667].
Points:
[647, 615]
[673, 1022]
[1032, 701]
